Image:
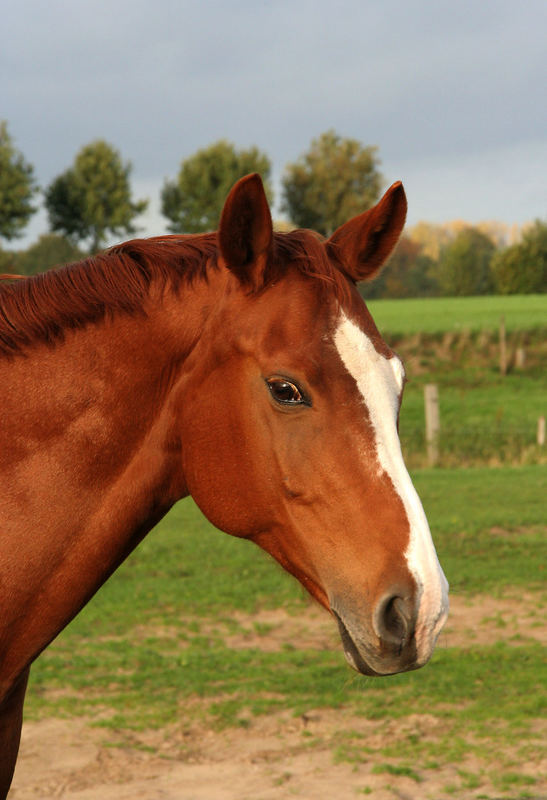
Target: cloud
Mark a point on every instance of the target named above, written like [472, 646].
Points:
[446, 91]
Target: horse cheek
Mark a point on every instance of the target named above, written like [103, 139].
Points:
[225, 469]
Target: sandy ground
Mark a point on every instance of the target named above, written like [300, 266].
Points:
[278, 756]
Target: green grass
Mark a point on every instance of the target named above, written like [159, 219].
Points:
[489, 525]
[148, 684]
[150, 649]
[186, 568]
[478, 499]
[485, 418]
[480, 399]
[394, 769]
[486, 703]
[442, 314]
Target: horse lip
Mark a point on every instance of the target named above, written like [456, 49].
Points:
[356, 660]
[353, 656]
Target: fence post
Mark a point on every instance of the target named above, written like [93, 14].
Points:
[432, 422]
[503, 346]
[541, 431]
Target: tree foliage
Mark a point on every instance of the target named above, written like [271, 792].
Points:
[464, 264]
[336, 179]
[93, 197]
[51, 250]
[431, 237]
[522, 268]
[193, 202]
[17, 187]
[408, 273]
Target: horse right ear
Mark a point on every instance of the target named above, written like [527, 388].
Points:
[245, 233]
[363, 244]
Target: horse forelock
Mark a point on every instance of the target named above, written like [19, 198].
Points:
[305, 250]
[43, 307]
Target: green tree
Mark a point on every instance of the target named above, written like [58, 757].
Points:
[522, 268]
[193, 202]
[93, 198]
[334, 181]
[51, 250]
[8, 262]
[408, 273]
[464, 264]
[17, 187]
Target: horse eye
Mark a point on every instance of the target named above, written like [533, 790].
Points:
[284, 391]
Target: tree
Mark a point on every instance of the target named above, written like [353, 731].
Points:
[8, 262]
[193, 202]
[17, 187]
[51, 250]
[93, 197]
[431, 237]
[334, 181]
[522, 268]
[406, 274]
[464, 264]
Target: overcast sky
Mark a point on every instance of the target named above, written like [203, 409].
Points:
[453, 93]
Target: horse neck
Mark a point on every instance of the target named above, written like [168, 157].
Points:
[89, 461]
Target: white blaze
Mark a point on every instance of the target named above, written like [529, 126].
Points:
[380, 381]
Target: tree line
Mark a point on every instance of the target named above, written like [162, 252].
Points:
[335, 179]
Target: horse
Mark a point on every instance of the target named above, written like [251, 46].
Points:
[240, 367]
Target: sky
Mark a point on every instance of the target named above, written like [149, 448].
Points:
[453, 94]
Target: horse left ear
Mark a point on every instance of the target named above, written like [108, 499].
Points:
[245, 233]
[365, 242]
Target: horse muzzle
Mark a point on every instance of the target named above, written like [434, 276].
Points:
[391, 641]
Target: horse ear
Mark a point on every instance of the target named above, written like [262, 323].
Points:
[245, 233]
[364, 243]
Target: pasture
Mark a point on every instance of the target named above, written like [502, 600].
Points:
[434, 315]
[201, 668]
[486, 417]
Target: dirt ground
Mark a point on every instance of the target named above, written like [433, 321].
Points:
[277, 756]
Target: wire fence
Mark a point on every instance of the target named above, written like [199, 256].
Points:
[493, 441]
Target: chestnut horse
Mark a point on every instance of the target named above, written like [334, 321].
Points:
[242, 368]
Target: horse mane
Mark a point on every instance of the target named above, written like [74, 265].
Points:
[42, 307]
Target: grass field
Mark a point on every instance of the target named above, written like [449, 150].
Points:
[153, 648]
[486, 417]
[444, 314]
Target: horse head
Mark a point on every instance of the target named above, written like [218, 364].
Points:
[290, 420]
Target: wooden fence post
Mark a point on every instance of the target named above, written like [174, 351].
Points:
[432, 422]
[541, 431]
[503, 347]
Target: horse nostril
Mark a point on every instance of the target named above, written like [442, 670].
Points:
[394, 620]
